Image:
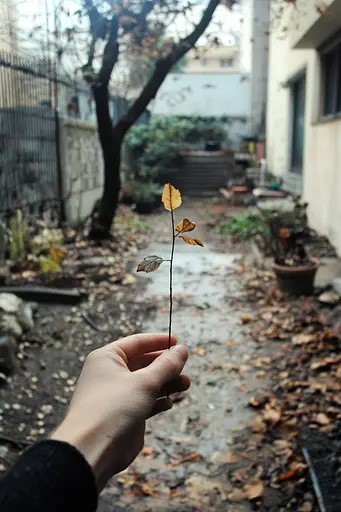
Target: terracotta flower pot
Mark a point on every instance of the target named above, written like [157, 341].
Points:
[296, 280]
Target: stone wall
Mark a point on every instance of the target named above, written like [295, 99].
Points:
[82, 168]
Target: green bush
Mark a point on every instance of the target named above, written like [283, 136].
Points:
[157, 145]
[244, 227]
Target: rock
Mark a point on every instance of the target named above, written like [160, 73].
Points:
[8, 360]
[336, 285]
[25, 316]
[9, 303]
[15, 315]
[329, 298]
[10, 325]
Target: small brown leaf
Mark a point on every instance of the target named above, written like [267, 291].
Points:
[171, 197]
[236, 495]
[258, 401]
[146, 489]
[245, 319]
[254, 489]
[192, 457]
[149, 264]
[148, 451]
[322, 419]
[272, 415]
[184, 226]
[192, 241]
[303, 338]
[200, 351]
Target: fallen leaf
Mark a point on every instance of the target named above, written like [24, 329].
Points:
[201, 351]
[303, 339]
[245, 319]
[272, 415]
[230, 343]
[147, 489]
[236, 495]
[254, 489]
[148, 450]
[128, 279]
[322, 419]
[258, 424]
[296, 468]
[320, 364]
[171, 197]
[229, 458]
[47, 265]
[149, 264]
[228, 410]
[306, 506]
[184, 226]
[192, 241]
[258, 401]
[282, 448]
[192, 457]
[57, 254]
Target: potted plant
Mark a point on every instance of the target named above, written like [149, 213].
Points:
[295, 270]
[145, 196]
[128, 193]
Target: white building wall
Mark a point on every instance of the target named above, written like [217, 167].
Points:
[259, 70]
[321, 179]
[207, 95]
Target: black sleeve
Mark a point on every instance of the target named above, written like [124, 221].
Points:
[51, 476]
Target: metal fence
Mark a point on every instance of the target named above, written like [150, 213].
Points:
[32, 100]
[29, 166]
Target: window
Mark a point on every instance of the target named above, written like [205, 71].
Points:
[331, 81]
[298, 109]
[226, 63]
[203, 62]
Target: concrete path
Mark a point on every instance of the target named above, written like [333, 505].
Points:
[188, 447]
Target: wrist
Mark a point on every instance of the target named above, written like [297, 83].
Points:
[91, 442]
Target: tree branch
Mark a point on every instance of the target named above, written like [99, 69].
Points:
[110, 54]
[162, 68]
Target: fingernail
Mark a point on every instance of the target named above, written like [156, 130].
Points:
[181, 350]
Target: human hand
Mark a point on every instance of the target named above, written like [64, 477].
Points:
[121, 385]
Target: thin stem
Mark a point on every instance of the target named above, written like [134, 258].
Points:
[171, 283]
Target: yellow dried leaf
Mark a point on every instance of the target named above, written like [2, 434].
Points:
[185, 225]
[57, 254]
[48, 265]
[171, 197]
[254, 490]
[192, 241]
[149, 264]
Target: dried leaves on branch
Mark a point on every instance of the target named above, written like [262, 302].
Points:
[171, 198]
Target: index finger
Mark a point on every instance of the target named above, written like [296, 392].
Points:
[139, 344]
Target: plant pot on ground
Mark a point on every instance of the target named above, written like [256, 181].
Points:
[295, 270]
[145, 197]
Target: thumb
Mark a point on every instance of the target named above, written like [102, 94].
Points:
[168, 365]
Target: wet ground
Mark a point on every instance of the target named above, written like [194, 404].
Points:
[191, 450]
[188, 449]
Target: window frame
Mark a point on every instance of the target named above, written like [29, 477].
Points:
[293, 83]
[333, 45]
[226, 60]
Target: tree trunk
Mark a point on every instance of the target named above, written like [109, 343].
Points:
[111, 145]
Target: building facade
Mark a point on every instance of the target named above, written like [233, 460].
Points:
[221, 59]
[304, 111]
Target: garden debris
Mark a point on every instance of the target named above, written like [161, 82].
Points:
[329, 297]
